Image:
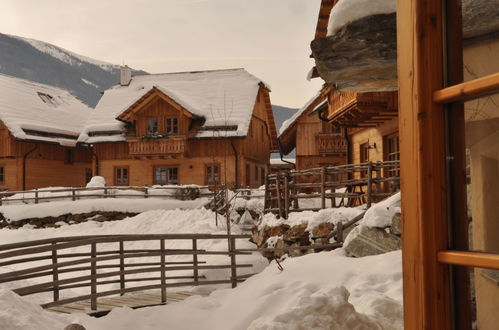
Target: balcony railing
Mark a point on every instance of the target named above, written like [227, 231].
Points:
[331, 144]
[163, 146]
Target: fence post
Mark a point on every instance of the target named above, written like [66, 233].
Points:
[55, 272]
[233, 268]
[378, 183]
[105, 192]
[279, 206]
[339, 232]
[323, 187]
[163, 271]
[73, 194]
[146, 192]
[369, 183]
[93, 279]
[36, 196]
[122, 267]
[295, 193]
[195, 260]
[266, 200]
[286, 196]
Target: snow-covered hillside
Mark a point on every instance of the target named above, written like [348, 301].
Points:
[45, 63]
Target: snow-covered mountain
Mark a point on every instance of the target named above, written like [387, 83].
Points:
[42, 62]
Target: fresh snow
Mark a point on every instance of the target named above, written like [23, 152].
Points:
[380, 214]
[347, 11]
[222, 97]
[21, 108]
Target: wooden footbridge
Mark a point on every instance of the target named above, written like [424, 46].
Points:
[94, 274]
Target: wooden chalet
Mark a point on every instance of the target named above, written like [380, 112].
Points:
[183, 128]
[39, 128]
[317, 143]
[447, 76]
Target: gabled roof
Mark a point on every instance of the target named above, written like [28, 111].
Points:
[287, 132]
[34, 111]
[224, 98]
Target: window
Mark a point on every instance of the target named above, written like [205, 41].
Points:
[171, 126]
[165, 175]
[68, 156]
[2, 174]
[121, 176]
[364, 152]
[212, 174]
[152, 127]
[392, 153]
[88, 175]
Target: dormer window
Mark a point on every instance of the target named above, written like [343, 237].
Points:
[171, 126]
[152, 127]
[47, 98]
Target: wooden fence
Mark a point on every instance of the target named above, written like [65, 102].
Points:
[77, 193]
[94, 261]
[362, 183]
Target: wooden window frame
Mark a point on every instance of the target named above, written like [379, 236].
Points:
[429, 87]
[173, 122]
[167, 167]
[115, 176]
[207, 172]
[147, 126]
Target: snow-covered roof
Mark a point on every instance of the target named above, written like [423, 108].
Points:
[347, 11]
[34, 111]
[222, 97]
[290, 121]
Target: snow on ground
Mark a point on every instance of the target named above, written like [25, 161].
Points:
[318, 291]
[347, 11]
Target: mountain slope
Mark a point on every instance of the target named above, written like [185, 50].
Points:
[45, 63]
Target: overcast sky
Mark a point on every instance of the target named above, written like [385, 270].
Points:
[270, 38]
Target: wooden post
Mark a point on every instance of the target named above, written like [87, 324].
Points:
[122, 267]
[369, 184]
[146, 192]
[233, 268]
[323, 188]
[279, 206]
[105, 192]
[36, 196]
[93, 280]
[163, 271]
[378, 183]
[286, 197]
[195, 261]
[266, 201]
[339, 232]
[55, 272]
[73, 195]
[295, 193]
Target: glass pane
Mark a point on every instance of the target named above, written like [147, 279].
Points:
[172, 175]
[152, 127]
[125, 176]
[480, 39]
[160, 176]
[477, 298]
[482, 170]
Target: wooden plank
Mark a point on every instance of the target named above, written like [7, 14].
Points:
[468, 90]
[471, 259]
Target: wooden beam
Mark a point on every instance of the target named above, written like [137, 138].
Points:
[423, 176]
[468, 90]
[476, 259]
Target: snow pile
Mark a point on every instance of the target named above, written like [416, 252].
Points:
[311, 291]
[96, 181]
[312, 219]
[347, 11]
[17, 313]
[380, 215]
[222, 97]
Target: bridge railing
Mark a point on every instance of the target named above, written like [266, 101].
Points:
[97, 262]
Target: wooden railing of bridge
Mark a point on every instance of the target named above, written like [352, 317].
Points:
[59, 264]
[363, 183]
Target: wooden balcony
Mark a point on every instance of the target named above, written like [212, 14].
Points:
[157, 147]
[331, 144]
[362, 109]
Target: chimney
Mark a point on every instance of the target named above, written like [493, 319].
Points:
[125, 75]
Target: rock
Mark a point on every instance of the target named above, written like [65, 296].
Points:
[74, 326]
[259, 237]
[480, 17]
[277, 231]
[322, 231]
[396, 227]
[297, 234]
[370, 241]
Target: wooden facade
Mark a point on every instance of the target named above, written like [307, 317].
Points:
[161, 147]
[34, 164]
[317, 143]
